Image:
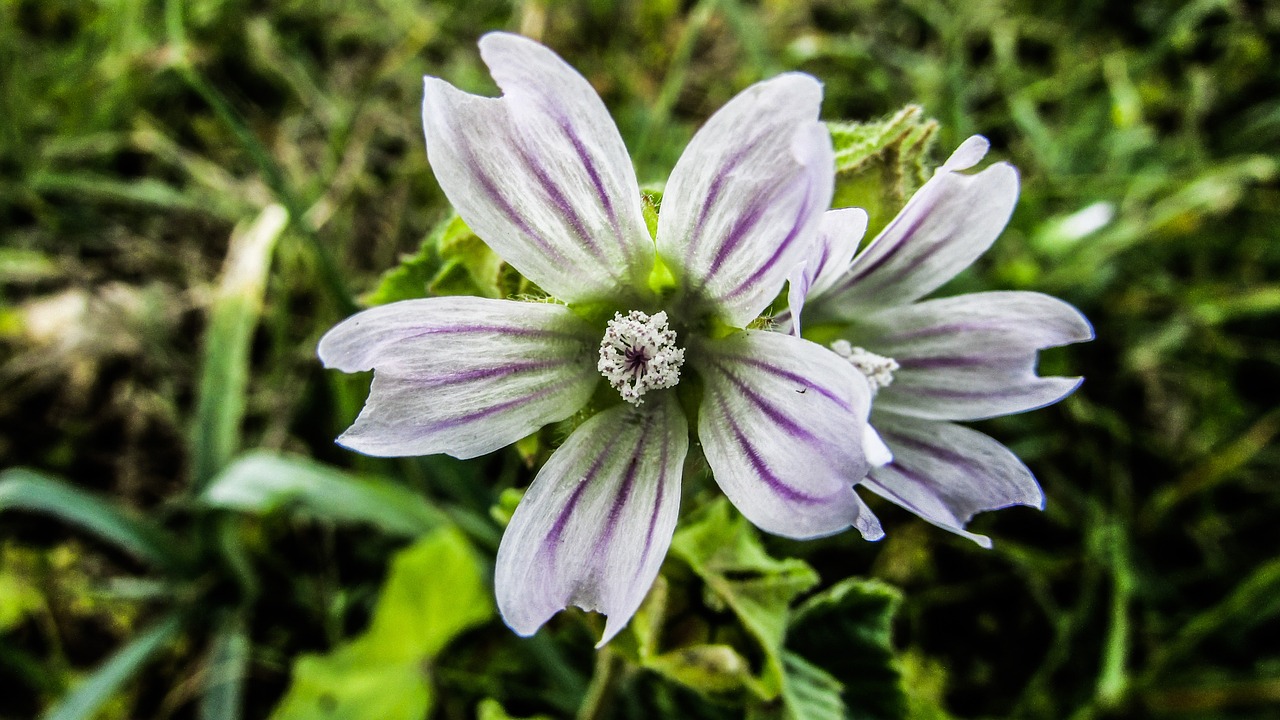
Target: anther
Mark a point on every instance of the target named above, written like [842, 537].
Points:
[639, 354]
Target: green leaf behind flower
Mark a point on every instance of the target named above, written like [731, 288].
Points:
[722, 548]
[434, 592]
[450, 261]
[847, 631]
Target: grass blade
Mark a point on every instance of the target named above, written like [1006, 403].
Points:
[84, 701]
[22, 489]
[232, 319]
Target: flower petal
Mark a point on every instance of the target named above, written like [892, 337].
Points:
[839, 233]
[946, 473]
[745, 198]
[972, 356]
[541, 173]
[781, 426]
[596, 523]
[461, 375]
[945, 226]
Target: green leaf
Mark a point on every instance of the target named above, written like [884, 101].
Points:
[84, 701]
[490, 709]
[847, 631]
[224, 379]
[808, 693]
[225, 673]
[435, 591]
[22, 489]
[263, 482]
[709, 668]
[450, 261]
[880, 163]
[722, 548]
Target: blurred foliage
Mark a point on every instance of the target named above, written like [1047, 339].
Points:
[138, 136]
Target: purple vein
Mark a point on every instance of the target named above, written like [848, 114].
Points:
[495, 195]
[775, 483]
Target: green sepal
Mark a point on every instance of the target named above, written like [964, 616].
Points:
[880, 163]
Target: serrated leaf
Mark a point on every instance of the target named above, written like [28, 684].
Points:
[22, 489]
[434, 592]
[722, 548]
[880, 163]
[450, 261]
[263, 482]
[847, 631]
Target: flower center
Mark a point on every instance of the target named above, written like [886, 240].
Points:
[639, 354]
[878, 368]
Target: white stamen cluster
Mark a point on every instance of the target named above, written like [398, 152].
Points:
[878, 368]
[639, 354]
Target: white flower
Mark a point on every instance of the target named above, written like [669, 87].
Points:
[967, 357]
[541, 174]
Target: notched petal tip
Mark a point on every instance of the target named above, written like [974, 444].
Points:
[970, 153]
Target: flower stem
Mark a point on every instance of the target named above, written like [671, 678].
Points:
[604, 683]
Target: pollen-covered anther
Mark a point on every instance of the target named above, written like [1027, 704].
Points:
[639, 354]
[878, 368]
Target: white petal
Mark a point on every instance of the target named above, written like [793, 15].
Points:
[946, 473]
[972, 356]
[781, 426]
[541, 174]
[743, 203]
[596, 523]
[838, 236]
[461, 375]
[878, 453]
[945, 226]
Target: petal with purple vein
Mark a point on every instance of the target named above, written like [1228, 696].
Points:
[971, 356]
[781, 424]
[541, 173]
[946, 473]
[838, 236]
[596, 523]
[461, 375]
[743, 203]
[945, 226]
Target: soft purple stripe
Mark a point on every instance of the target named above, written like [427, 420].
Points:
[745, 223]
[624, 493]
[562, 204]
[515, 330]
[562, 520]
[861, 270]
[498, 371]
[942, 453]
[806, 208]
[793, 377]
[791, 427]
[453, 422]
[657, 502]
[959, 361]
[589, 163]
[774, 482]
[713, 193]
[917, 390]
[496, 196]
[935, 330]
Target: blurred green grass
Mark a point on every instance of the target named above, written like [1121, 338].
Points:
[1148, 587]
